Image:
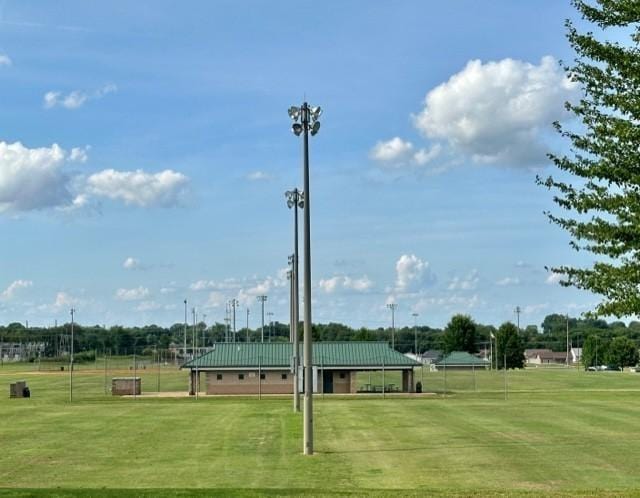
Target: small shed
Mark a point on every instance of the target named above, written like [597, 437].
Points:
[123, 386]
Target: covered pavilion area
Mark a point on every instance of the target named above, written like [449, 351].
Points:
[266, 368]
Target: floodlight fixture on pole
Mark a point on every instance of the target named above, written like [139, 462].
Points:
[73, 311]
[393, 307]
[305, 121]
[262, 300]
[517, 311]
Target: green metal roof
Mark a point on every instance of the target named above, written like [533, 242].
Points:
[461, 358]
[278, 355]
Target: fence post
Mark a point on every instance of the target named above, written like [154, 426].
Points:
[383, 393]
[260, 377]
[445, 378]
[505, 376]
[475, 383]
[135, 369]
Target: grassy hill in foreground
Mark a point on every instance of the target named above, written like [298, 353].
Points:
[561, 432]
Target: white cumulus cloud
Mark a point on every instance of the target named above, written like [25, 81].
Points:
[10, 291]
[494, 112]
[76, 98]
[131, 263]
[256, 176]
[338, 282]
[138, 187]
[412, 273]
[468, 282]
[148, 306]
[135, 294]
[32, 179]
[391, 150]
[5, 60]
[553, 278]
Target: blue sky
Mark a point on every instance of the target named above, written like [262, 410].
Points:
[145, 150]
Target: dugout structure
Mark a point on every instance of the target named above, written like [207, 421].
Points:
[123, 386]
[266, 368]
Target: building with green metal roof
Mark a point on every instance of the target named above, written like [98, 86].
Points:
[461, 360]
[266, 368]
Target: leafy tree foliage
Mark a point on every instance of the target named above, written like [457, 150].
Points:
[460, 334]
[623, 352]
[602, 200]
[594, 351]
[509, 344]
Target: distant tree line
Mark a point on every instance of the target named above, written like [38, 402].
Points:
[614, 340]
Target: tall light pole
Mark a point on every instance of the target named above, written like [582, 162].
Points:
[270, 315]
[226, 322]
[415, 333]
[295, 200]
[305, 121]
[393, 307]
[567, 340]
[185, 330]
[294, 338]
[234, 304]
[262, 300]
[194, 333]
[204, 330]
[518, 310]
[73, 311]
[247, 324]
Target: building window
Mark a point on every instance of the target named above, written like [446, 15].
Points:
[240, 376]
[284, 376]
[342, 375]
[262, 376]
[219, 377]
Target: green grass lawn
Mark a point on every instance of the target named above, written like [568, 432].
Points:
[560, 433]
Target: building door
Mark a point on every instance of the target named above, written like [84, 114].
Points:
[327, 381]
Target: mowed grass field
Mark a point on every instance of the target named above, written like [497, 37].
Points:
[558, 433]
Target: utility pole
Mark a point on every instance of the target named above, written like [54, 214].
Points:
[518, 310]
[415, 333]
[73, 311]
[393, 307]
[185, 330]
[309, 123]
[262, 300]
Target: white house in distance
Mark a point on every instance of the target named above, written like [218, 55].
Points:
[545, 357]
[576, 355]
